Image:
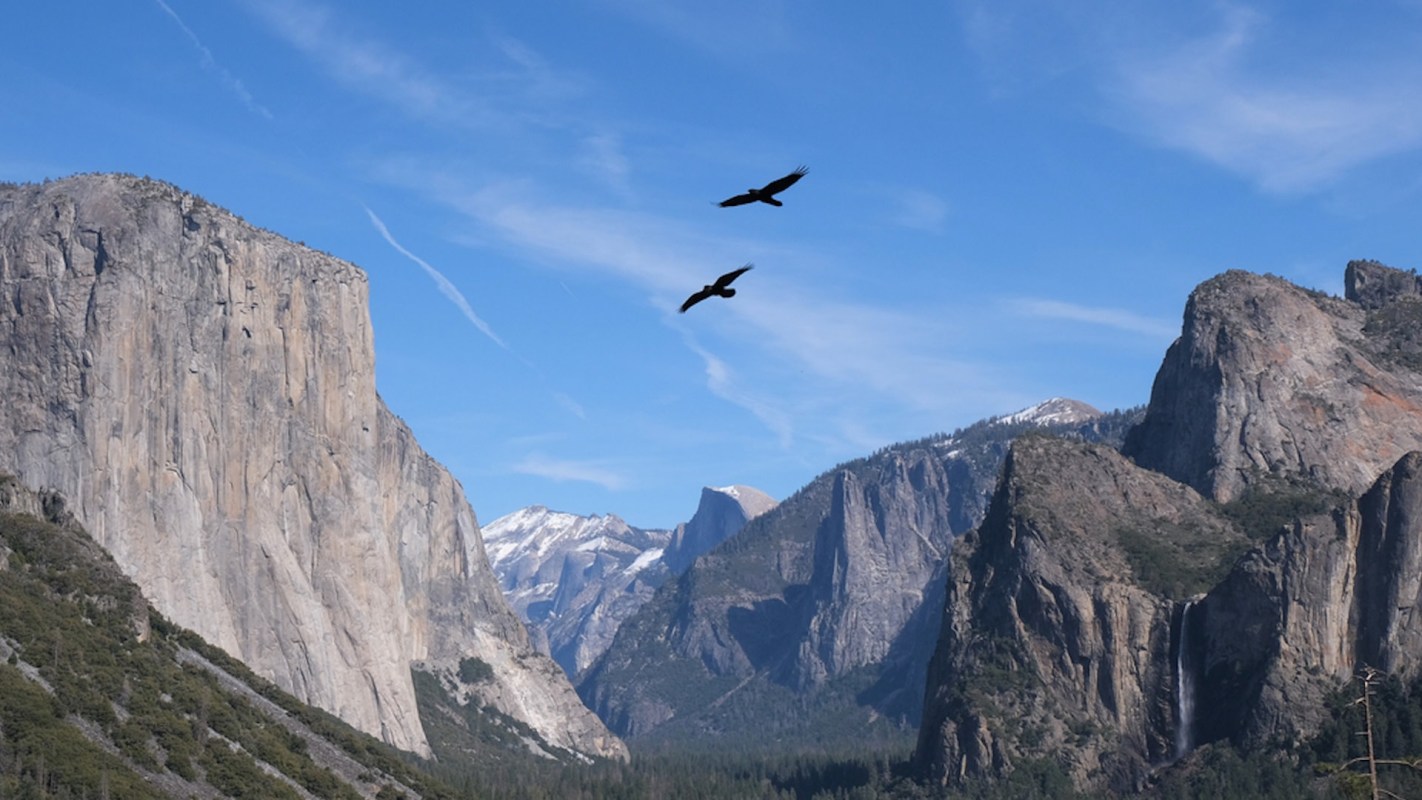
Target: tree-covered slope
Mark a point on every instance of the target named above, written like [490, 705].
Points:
[100, 696]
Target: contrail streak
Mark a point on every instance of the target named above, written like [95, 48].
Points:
[445, 287]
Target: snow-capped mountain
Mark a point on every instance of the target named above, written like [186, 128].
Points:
[1056, 411]
[573, 579]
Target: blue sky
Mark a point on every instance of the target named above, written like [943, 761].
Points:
[1006, 201]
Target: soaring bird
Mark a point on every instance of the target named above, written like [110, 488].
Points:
[721, 288]
[766, 193]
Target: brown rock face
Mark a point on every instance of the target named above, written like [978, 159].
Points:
[1066, 633]
[1056, 640]
[203, 392]
[1271, 379]
[1298, 616]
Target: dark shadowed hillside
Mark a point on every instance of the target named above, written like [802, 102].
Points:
[811, 629]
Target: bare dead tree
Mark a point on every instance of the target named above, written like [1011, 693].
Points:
[1369, 676]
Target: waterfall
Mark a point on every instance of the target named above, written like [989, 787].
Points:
[1184, 686]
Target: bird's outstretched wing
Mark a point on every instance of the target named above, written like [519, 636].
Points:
[696, 298]
[738, 200]
[725, 280]
[781, 184]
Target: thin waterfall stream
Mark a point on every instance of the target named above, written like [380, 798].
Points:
[1184, 686]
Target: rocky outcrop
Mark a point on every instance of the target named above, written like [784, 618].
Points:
[839, 586]
[1297, 617]
[1056, 638]
[1374, 286]
[203, 392]
[1107, 616]
[721, 514]
[1269, 379]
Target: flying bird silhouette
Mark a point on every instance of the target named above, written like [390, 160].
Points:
[766, 193]
[721, 288]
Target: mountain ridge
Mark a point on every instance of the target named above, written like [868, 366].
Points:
[574, 579]
[1219, 579]
[826, 605]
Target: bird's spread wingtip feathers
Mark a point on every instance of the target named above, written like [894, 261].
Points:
[719, 288]
[766, 193]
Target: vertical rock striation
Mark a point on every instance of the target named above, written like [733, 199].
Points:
[204, 393]
[824, 610]
[1298, 616]
[1057, 633]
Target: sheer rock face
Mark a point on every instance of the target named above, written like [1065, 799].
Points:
[721, 514]
[204, 393]
[1297, 617]
[1271, 379]
[843, 580]
[820, 585]
[1057, 637]
[1063, 624]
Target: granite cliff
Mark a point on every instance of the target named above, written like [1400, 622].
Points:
[721, 513]
[814, 624]
[1259, 543]
[204, 394]
[1057, 634]
[100, 696]
[1270, 379]
[1297, 617]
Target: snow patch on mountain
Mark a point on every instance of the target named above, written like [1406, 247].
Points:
[1055, 411]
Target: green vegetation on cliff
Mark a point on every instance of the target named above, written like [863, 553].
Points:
[102, 697]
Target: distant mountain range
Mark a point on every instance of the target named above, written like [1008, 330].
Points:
[1079, 598]
[814, 625]
[574, 579]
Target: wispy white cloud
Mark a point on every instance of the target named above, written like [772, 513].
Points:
[557, 469]
[870, 346]
[573, 406]
[1288, 130]
[1223, 81]
[210, 64]
[603, 159]
[506, 92]
[920, 210]
[721, 382]
[449, 290]
[1118, 319]
[367, 65]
